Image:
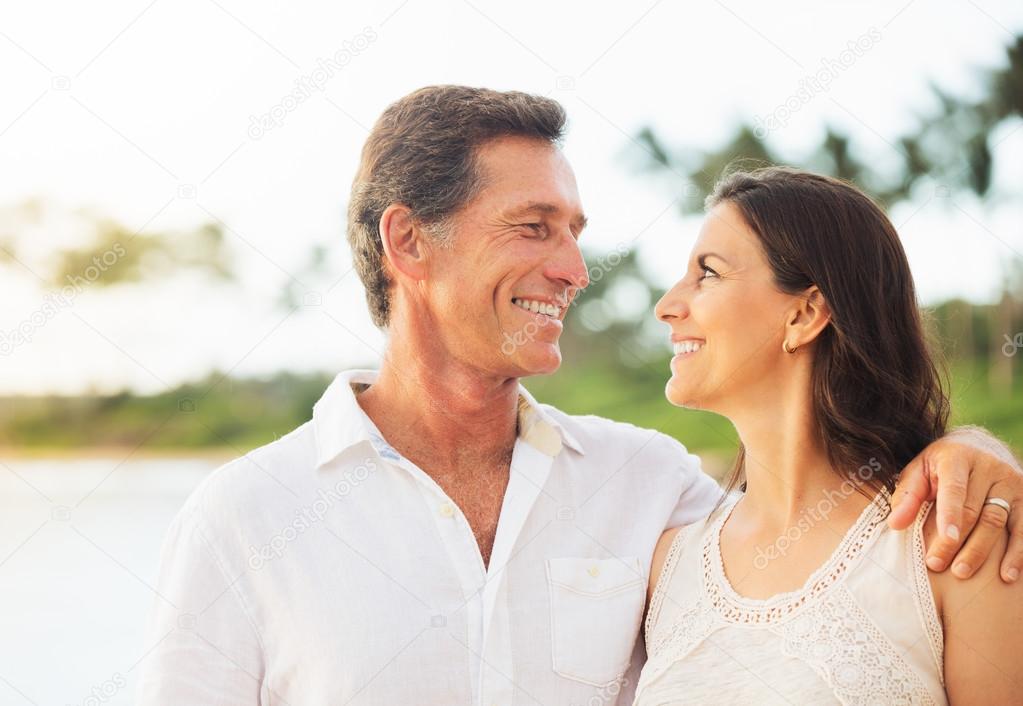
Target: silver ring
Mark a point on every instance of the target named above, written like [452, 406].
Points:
[1004, 504]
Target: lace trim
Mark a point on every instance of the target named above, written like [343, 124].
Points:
[691, 627]
[834, 636]
[922, 593]
[749, 611]
[671, 645]
[847, 649]
[826, 629]
[667, 571]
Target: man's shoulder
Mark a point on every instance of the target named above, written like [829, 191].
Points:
[258, 479]
[599, 433]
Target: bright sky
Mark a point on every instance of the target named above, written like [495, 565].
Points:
[143, 111]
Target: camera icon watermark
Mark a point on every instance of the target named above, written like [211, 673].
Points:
[1012, 344]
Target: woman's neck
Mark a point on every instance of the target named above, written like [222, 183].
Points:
[787, 467]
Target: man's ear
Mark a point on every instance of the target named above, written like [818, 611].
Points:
[808, 318]
[405, 249]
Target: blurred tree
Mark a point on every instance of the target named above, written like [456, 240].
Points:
[951, 147]
[105, 252]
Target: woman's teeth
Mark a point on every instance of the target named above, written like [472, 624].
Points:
[687, 347]
[538, 307]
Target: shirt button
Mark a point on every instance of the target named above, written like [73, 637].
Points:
[594, 571]
[447, 510]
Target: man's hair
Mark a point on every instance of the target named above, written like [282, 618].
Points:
[422, 153]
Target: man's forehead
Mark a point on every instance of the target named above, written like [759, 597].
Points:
[528, 176]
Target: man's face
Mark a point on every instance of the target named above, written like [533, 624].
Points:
[499, 294]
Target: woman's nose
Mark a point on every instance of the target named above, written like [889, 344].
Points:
[672, 305]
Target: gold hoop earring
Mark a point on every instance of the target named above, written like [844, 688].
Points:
[785, 347]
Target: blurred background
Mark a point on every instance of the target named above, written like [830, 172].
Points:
[176, 287]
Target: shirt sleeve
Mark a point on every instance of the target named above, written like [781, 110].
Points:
[202, 646]
[700, 493]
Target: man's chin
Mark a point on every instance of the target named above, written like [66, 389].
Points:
[540, 362]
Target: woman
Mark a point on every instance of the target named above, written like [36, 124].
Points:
[797, 320]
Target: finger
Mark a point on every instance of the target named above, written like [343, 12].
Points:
[941, 552]
[989, 530]
[953, 474]
[914, 487]
[1012, 564]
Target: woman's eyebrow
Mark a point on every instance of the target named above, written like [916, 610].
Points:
[702, 258]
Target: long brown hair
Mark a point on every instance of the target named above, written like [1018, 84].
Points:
[878, 397]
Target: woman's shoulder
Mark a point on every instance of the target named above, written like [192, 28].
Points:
[949, 589]
[664, 545]
[671, 542]
[984, 615]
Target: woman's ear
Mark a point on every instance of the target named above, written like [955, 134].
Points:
[808, 318]
[404, 245]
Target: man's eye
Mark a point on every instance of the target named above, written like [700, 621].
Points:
[535, 227]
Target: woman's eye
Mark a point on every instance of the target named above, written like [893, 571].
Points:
[707, 272]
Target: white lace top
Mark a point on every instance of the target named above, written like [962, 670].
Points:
[862, 630]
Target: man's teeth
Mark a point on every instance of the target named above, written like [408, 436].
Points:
[687, 347]
[538, 307]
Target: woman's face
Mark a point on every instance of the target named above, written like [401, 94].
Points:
[727, 319]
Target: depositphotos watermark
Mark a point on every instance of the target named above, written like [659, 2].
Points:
[306, 517]
[812, 85]
[810, 516]
[307, 84]
[607, 693]
[55, 302]
[107, 690]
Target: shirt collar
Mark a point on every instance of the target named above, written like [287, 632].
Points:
[340, 423]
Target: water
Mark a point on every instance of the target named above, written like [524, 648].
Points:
[79, 550]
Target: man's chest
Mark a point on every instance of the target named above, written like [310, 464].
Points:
[480, 498]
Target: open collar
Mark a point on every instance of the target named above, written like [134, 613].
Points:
[340, 423]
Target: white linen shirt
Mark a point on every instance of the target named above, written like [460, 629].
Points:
[325, 568]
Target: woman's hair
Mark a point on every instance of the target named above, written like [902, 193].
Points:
[878, 398]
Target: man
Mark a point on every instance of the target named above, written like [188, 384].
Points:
[434, 535]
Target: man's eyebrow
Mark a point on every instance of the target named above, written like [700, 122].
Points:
[547, 209]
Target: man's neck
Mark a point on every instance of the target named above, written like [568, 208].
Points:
[429, 412]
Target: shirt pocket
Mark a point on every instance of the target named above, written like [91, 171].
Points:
[596, 608]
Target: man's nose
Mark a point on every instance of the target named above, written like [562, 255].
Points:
[568, 265]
